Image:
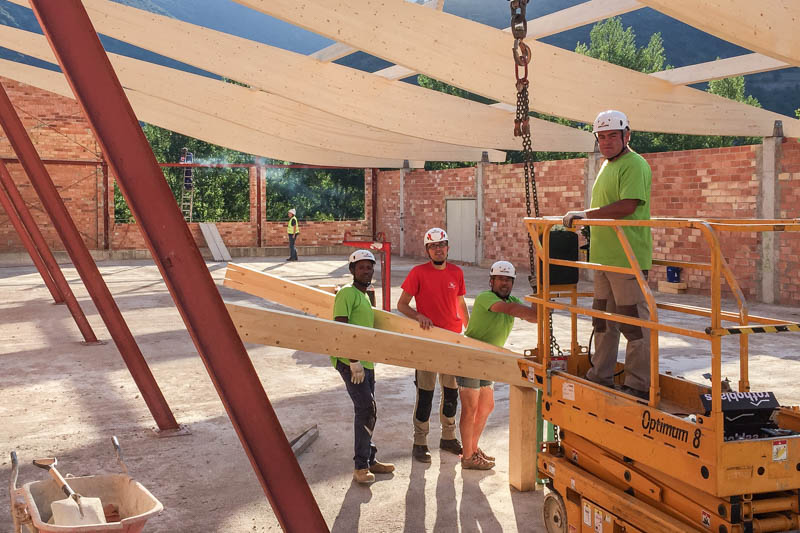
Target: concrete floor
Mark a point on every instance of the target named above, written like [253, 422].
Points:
[58, 397]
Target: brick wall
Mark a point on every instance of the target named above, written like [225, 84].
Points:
[789, 205]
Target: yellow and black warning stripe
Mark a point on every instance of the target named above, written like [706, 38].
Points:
[777, 328]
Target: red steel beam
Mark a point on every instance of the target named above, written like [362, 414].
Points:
[29, 227]
[97, 89]
[25, 237]
[87, 269]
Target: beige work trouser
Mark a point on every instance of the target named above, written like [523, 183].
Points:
[426, 384]
[620, 294]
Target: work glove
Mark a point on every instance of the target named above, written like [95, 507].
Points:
[357, 373]
[571, 216]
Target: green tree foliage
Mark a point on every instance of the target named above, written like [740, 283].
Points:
[223, 194]
[797, 112]
[220, 194]
[316, 194]
[610, 42]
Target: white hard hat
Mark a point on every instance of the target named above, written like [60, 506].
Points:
[610, 120]
[292, 211]
[503, 268]
[435, 235]
[361, 255]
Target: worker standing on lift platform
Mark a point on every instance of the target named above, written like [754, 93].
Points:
[621, 191]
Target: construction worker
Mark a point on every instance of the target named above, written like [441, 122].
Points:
[492, 319]
[293, 229]
[352, 306]
[621, 191]
[438, 289]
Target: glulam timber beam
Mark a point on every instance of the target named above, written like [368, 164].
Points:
[359, 96]
[550, 24]
[261, 111]
[476, 58]
[768, 27]
[203, 126]
[721, 68]
[319, 303]
[337, 339]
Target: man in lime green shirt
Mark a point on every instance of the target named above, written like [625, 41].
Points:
[352, 306]
[491, 321]
[621, 191]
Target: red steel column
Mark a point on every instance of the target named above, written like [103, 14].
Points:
[84, 263]
[97, 89]
[25, 237]
[43, 251]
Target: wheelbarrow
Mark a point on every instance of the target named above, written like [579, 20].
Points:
[129, 504]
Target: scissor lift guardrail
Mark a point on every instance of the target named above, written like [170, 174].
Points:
[676, 451]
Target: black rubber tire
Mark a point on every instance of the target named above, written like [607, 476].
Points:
[554, 513]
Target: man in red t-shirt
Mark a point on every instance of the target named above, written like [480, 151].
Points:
[438, 291]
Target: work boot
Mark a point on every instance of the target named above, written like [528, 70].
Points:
[420, 453]
[450, 445]
[363, 476]
[381, 468]
[644, 395]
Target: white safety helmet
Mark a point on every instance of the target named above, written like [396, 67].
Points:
[503, 268]
[610, 120]
[292, 211]
[361, 255]
[435, 235]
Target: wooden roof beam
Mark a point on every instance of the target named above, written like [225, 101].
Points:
[261, 111]
[202, 126]
[768, 27]
[476, 58]
[721, 68]
[359, 96]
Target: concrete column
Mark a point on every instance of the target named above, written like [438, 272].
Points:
[402, 199]
[768, 165]
[480, 183]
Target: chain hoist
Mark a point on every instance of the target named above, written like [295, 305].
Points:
[522, 128]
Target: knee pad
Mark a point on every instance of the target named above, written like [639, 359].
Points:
[599, 324]
[424, 401]
[449, 402]
[631, 332]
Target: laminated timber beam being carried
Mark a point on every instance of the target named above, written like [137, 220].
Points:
[348, 93]
[261, 111]
[477, 58]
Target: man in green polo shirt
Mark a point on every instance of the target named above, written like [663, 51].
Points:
[491, 321]
[352, 306]
[621, 191]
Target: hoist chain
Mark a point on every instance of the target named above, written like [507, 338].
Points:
[522, 128]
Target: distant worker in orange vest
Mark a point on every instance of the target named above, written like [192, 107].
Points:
[293, 230]
[621, 191]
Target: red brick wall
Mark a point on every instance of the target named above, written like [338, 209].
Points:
[789, 205]
[58, 131]
[425, 195]
[388, 210]
[714, 183]
[560, 188]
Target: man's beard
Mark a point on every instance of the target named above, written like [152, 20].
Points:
[438, 263]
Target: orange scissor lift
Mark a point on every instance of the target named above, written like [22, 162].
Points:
[624, 464]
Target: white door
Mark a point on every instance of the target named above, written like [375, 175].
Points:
[461, 229]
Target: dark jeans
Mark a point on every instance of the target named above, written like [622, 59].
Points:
[366, 412]
[292, 249]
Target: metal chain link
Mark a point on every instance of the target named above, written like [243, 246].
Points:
[522, 128]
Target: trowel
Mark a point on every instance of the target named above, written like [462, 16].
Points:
[75, 510]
